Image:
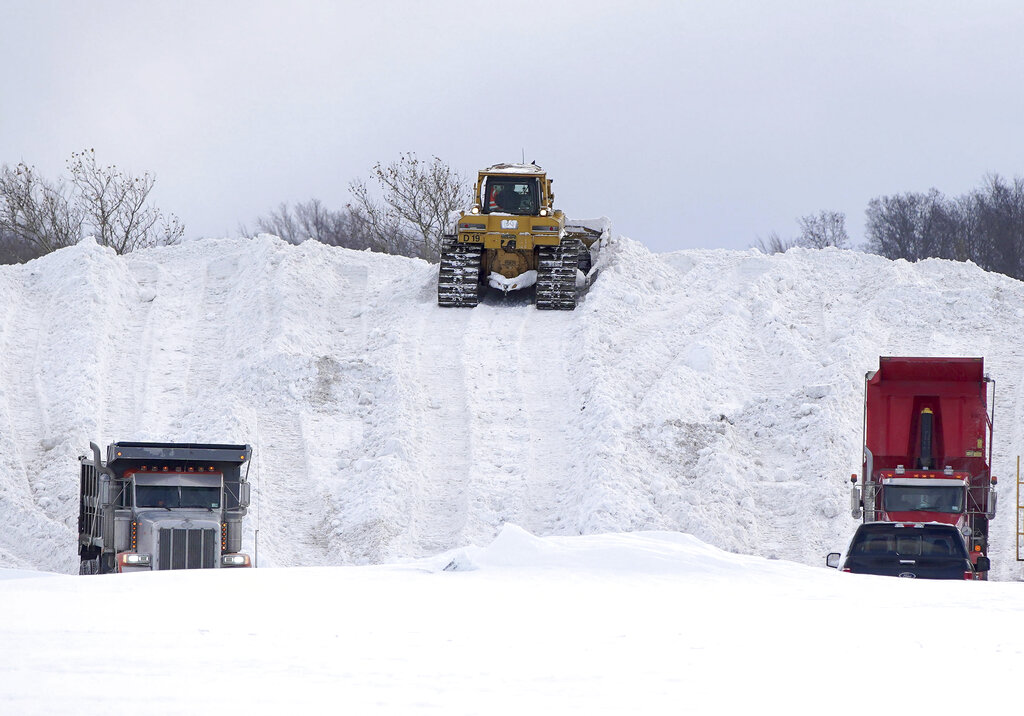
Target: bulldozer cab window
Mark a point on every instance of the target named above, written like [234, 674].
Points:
[510, 196]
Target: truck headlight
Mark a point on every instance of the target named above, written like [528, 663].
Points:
[234, 560]
[136, 559]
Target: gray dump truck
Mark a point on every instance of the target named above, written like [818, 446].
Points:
[163, 506]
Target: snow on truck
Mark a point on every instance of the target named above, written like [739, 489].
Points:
[512, 237]
[928, 448]
[154, 506]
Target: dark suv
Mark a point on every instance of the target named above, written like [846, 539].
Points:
[916, 550]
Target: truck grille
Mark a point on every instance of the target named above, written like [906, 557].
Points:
[187, 549]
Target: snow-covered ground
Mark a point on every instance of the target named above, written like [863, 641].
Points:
[642, 623]
[699, 401]
[649, 623]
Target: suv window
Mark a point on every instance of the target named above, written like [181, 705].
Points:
[890, 540]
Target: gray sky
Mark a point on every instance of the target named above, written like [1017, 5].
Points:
[690, 124]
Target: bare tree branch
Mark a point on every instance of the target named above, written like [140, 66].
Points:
[114, 204]
[417, 199]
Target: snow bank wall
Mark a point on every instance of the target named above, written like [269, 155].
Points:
[716, 393]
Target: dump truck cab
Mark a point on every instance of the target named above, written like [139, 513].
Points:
[158, 506]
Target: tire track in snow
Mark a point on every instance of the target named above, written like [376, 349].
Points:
[550, 411]
[24, 427]
[520, 400]
[439, 443]
[309, 359]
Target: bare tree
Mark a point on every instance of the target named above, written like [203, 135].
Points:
[115, 205]
[774, 244]
[281, 223]
[36, 212]
[417, 198]
[312, 220]
[826, 228]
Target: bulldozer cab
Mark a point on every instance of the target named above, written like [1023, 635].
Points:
[510, 195]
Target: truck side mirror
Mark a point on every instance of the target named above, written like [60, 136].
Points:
[856, 506]
[984, 564]
[991, 512]
[243, 494]
[832, 560]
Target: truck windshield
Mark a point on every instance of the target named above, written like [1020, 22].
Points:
[914, 544]
[910, 498]
[177, 496]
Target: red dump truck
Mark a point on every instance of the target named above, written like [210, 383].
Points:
[928, 447]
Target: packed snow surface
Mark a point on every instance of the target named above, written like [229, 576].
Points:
[620, 509]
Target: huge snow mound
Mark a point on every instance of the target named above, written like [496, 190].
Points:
[714, 393]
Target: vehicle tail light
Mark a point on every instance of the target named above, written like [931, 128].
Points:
[969, 575]
[846, 569]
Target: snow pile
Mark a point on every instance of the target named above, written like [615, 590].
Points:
[712, 393]
[626, 553]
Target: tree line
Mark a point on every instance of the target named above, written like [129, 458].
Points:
[405, 209]
[985, 225]
[39, 215]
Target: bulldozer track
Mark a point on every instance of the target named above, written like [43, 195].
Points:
[458, 282]
[556, 275]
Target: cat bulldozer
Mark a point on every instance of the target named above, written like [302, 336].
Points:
[511, 238]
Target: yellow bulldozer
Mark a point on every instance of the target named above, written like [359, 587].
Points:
[511, 238]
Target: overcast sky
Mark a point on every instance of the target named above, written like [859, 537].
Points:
[689, 124]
